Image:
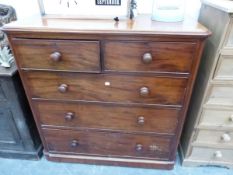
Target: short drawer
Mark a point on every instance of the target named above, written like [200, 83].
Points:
[211, 155]
[107, 117]
[107, 144]
[217, 118]
[108, 88]
[221, 95]
[64, 55]
[218, 139]
[163, 57]
[224, 70]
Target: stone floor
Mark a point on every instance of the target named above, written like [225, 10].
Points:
[44, 167]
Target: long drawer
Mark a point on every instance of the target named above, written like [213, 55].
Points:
[107, 117]
[149, 56]
[63, 55]
[108, 88]
[107, 144]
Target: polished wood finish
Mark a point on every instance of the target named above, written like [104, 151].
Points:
[122, 88]
[57, 55]
[129, 111]
[99, 160]
[163, 57]
[99, 143]
[142, 25]
[108, 117]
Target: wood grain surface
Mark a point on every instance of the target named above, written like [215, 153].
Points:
[108, 117]
[120, 71]
[173, 57]
[107, 144]
[92, 87]
[78, 56]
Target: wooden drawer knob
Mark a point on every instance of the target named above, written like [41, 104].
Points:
[147, 58]
[139, 147]
[226, 137]
[141, 120]
[74, 143]
[69, 116]
[55, 56]
[218, 154]
[63, 88]
[231, 118]
[144, 91]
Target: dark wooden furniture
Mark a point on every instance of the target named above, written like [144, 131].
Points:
[109, 92]
[18, 133]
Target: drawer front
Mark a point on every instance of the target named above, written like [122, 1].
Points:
[2, 93]
[220, 95]
[221, 118]
[211, 155]
[10, 138]
[228, 43]
[108, 88]
[149, 56]
[107, 117]
[72, 55]
[224, 70]
[215, 138]
[107, 144]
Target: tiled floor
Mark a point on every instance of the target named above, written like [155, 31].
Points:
[44, 167]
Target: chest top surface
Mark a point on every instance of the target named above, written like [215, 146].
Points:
[141, 25]
[7, 72]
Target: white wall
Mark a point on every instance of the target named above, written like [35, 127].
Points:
[26, 8]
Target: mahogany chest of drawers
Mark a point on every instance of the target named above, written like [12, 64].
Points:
[108, 92]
